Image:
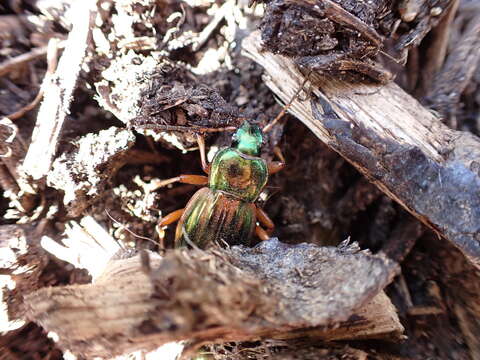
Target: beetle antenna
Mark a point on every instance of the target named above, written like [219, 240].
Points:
[269, 126]
[124, 227]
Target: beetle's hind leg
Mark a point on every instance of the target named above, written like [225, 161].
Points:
[167, 220]
[261, 233]
[171, 218]
[264, 220]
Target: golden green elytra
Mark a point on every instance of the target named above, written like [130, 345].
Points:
[224, 212]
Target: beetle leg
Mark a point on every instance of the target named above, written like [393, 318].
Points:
[185, 179]
[276, 166]
[171, 218]
[167, 220]
[277, 151]
[262, 234]
[263, 219]
[203, 156]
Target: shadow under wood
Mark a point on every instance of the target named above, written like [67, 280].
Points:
[222, 295]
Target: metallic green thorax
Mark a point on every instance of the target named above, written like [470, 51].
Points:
[248, 139]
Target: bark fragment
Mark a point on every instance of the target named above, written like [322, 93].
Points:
[220, 295]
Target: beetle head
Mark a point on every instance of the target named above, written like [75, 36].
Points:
[248, 139]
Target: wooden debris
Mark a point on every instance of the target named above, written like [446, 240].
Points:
[399, 145]
[171, 69]
[58, 95]
[437, 50]
[191, 294]
[450, 83]
[86, 245]
[19, 61]
[12, 177]
[22, 261]
[52, 52]
[83, 172]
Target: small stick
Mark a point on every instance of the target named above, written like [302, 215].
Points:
[269, 127]
[18, 61]
[52, 60]
[187, 128]
[210, 28]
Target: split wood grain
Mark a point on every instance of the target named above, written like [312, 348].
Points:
[59, 94]
[398, 144]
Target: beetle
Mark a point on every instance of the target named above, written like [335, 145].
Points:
[224, 211]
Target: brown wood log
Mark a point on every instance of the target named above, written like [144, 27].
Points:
[223, 295]
[399, 145]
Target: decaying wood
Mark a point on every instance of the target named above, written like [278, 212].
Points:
[56, 104]
[21, 262]
[398, 144]
[437, 49]
[83, 172]
[445, 90]
[12, 177]
[222, 295]
[86, 245]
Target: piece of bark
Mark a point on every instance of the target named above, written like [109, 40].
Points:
[399, 145]
[269, 290]
[165, 104]
[59, 94]
[372, 321]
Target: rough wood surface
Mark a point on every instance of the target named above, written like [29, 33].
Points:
[22, 261]
[56, 104]
[269, 290]
[393, 140]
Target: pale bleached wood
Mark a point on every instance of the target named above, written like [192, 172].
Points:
[59, 93]
[392, 139]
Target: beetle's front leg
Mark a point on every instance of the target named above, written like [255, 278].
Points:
[203, 156]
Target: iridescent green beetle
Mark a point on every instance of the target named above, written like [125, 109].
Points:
[225, 211]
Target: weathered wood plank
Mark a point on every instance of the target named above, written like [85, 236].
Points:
[392, 139]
